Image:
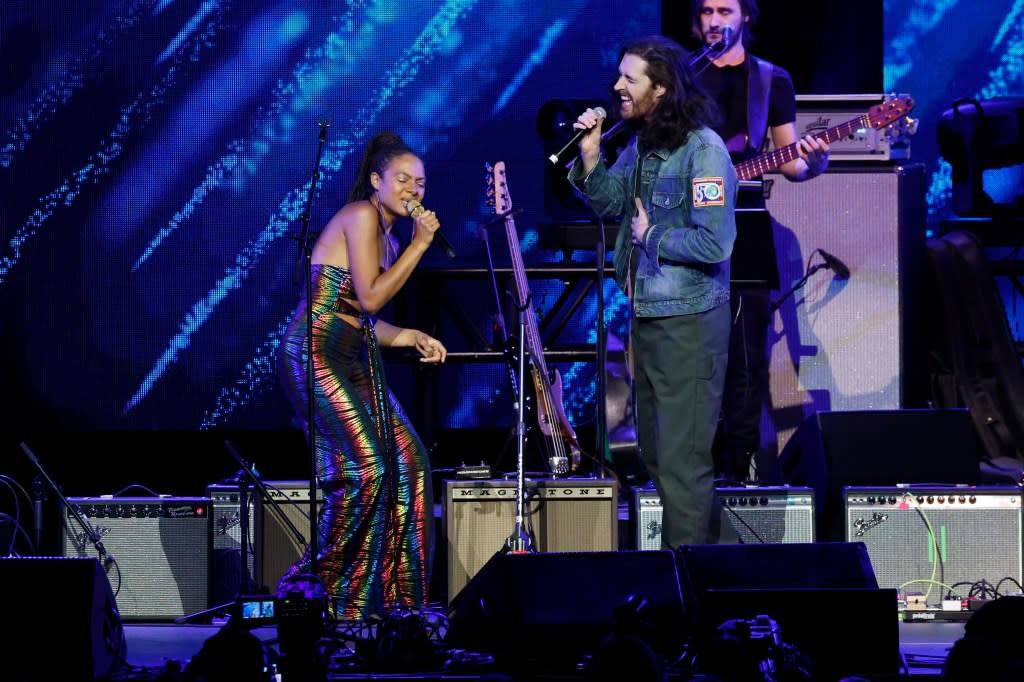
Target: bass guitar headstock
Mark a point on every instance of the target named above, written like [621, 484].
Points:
[498, 196]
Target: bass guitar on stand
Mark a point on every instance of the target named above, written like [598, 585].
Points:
[558, 440]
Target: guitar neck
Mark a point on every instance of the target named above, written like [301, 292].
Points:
[752, 168]
[533, 343]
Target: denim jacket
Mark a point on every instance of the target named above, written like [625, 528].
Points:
[690, 195]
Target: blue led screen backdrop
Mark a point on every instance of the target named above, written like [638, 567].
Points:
[156, 157]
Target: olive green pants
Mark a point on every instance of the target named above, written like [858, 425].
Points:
[680, 377]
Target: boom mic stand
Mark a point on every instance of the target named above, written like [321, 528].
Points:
[706, 51]
[246, 583]
[88, 532]
[793, 289]
[250, 471]
[499, 326]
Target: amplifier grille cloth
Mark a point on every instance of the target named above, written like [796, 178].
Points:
[162, 569]
[975, 542]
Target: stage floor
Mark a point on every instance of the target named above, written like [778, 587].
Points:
[152, 648]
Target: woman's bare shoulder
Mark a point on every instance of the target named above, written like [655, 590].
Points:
[355, 214]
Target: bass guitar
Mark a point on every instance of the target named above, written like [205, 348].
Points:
[877, 117]
[558, 439]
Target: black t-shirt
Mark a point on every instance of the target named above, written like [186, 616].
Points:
[727, 85]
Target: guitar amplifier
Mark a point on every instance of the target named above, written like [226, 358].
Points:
[920, 536]
[225, 556]
[157, 551]
[278, 547]
[560, 515]
[817, 113]
[764, 515]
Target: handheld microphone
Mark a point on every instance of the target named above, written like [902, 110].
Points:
[835, 265]
[415, 210]
[575, 138]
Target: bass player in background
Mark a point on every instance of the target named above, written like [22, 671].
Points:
[756, 100]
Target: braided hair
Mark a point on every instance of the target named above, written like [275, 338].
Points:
[378, 154]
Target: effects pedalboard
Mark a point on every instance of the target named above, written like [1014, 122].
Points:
[953, 609]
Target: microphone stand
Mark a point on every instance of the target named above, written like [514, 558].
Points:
[250, 471]
[519, 541]
[717, 48]
[246, 584]
[792, 290]
[500, 327]
[306, 249]
[601, 417]
[38, 498]
[90, 533]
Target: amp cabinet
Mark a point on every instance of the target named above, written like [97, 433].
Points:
[762, 515]
[561, 515]
[952, 534]
[157, 551]
[854, 343]
[277, 547]
[225, 556]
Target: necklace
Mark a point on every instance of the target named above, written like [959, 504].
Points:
[390, 251]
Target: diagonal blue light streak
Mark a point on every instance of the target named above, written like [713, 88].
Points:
[403, 72]
[246, 152]
[51, 99]
[532, 61]
[134, 116]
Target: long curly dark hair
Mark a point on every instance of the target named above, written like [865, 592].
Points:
[684, 107]
[378, 154]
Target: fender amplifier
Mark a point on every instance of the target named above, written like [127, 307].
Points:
[561, 515]
[157, 551]
[920, 536]
[278, 546]
[760, 515]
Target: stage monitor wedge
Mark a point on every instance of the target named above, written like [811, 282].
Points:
[64, 625]
[551, 609]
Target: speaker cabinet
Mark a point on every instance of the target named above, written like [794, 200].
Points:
[760, 515]
[548, 610]
[64, 623]
[560, 516]
[225, 557]
[951, 535]
[157, 551]
[795, 585]
[846, 344]
[878, 447]
[278, 547]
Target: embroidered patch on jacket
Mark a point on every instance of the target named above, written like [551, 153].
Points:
[708, 192]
